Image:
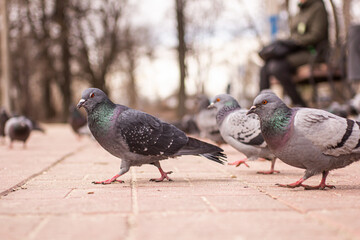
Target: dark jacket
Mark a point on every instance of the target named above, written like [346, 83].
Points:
[309, 28]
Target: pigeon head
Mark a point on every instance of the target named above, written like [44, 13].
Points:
[265, 104]
[226, 101]
[202, 102]
[91, 97]
[224, 105]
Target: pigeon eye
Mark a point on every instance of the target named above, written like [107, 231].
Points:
[218, 99]
[92, 95]
[264, 102]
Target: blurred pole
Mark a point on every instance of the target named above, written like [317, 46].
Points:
[273, 10]
[5, 57]
[180, 6]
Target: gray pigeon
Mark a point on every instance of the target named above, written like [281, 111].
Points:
[18, 128]
[139, 138]
[241, 131]
[307, 138]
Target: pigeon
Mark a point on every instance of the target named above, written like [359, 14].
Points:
[342, 110]
[206, 121]
[187, 124]
[77, 121]
[139, 138]
[3, 118]
[312, 139]
[241, 131]
[36, 126]
[18, 128]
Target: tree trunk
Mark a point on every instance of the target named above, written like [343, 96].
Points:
[49, 111]
[5, 58]
[65, 85]
[180, 6]
[347, 16]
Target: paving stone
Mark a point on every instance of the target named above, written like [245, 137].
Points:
[206, 200]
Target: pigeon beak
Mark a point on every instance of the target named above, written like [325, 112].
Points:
[251, 110]
[81, 102]
[211, 106]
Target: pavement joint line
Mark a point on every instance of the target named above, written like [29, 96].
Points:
[188, 180]
[37, 228]
[132, 217]
[68, 193]
[210, 205]
[23, 182]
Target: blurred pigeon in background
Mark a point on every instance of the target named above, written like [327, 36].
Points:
[18, 128]
[202, 122]
[342, 110]
[139, 138]
[307, 138]
[3, 118]
[77, 121]
[206, 121]
[241, 131]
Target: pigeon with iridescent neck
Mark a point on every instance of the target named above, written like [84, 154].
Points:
[308, 138]
[241, 131]
[139, 138]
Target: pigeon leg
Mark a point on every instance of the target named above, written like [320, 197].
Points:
[272, 171]
[114, 178]
[293, 185]
[322, 184]
[238, 163]
[163, 174]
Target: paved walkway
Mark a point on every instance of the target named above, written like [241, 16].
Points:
[46, 193]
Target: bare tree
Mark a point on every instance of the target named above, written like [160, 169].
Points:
[96, 51]
[138, 42]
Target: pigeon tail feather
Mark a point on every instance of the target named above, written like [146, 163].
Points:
[197, 147]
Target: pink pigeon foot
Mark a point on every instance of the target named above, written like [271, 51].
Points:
[292, 185]
[238, 163]
[322, 184]
[109, 181]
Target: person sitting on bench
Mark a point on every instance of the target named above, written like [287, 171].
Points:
[309, 29]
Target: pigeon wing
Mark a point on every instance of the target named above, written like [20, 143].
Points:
[334, 135]
[245, 128]
[147, 135]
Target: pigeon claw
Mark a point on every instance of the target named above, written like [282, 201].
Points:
[109, 181]
[292, 185]
[319, 187]
[163, 176]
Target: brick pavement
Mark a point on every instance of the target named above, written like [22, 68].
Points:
[46, 193]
